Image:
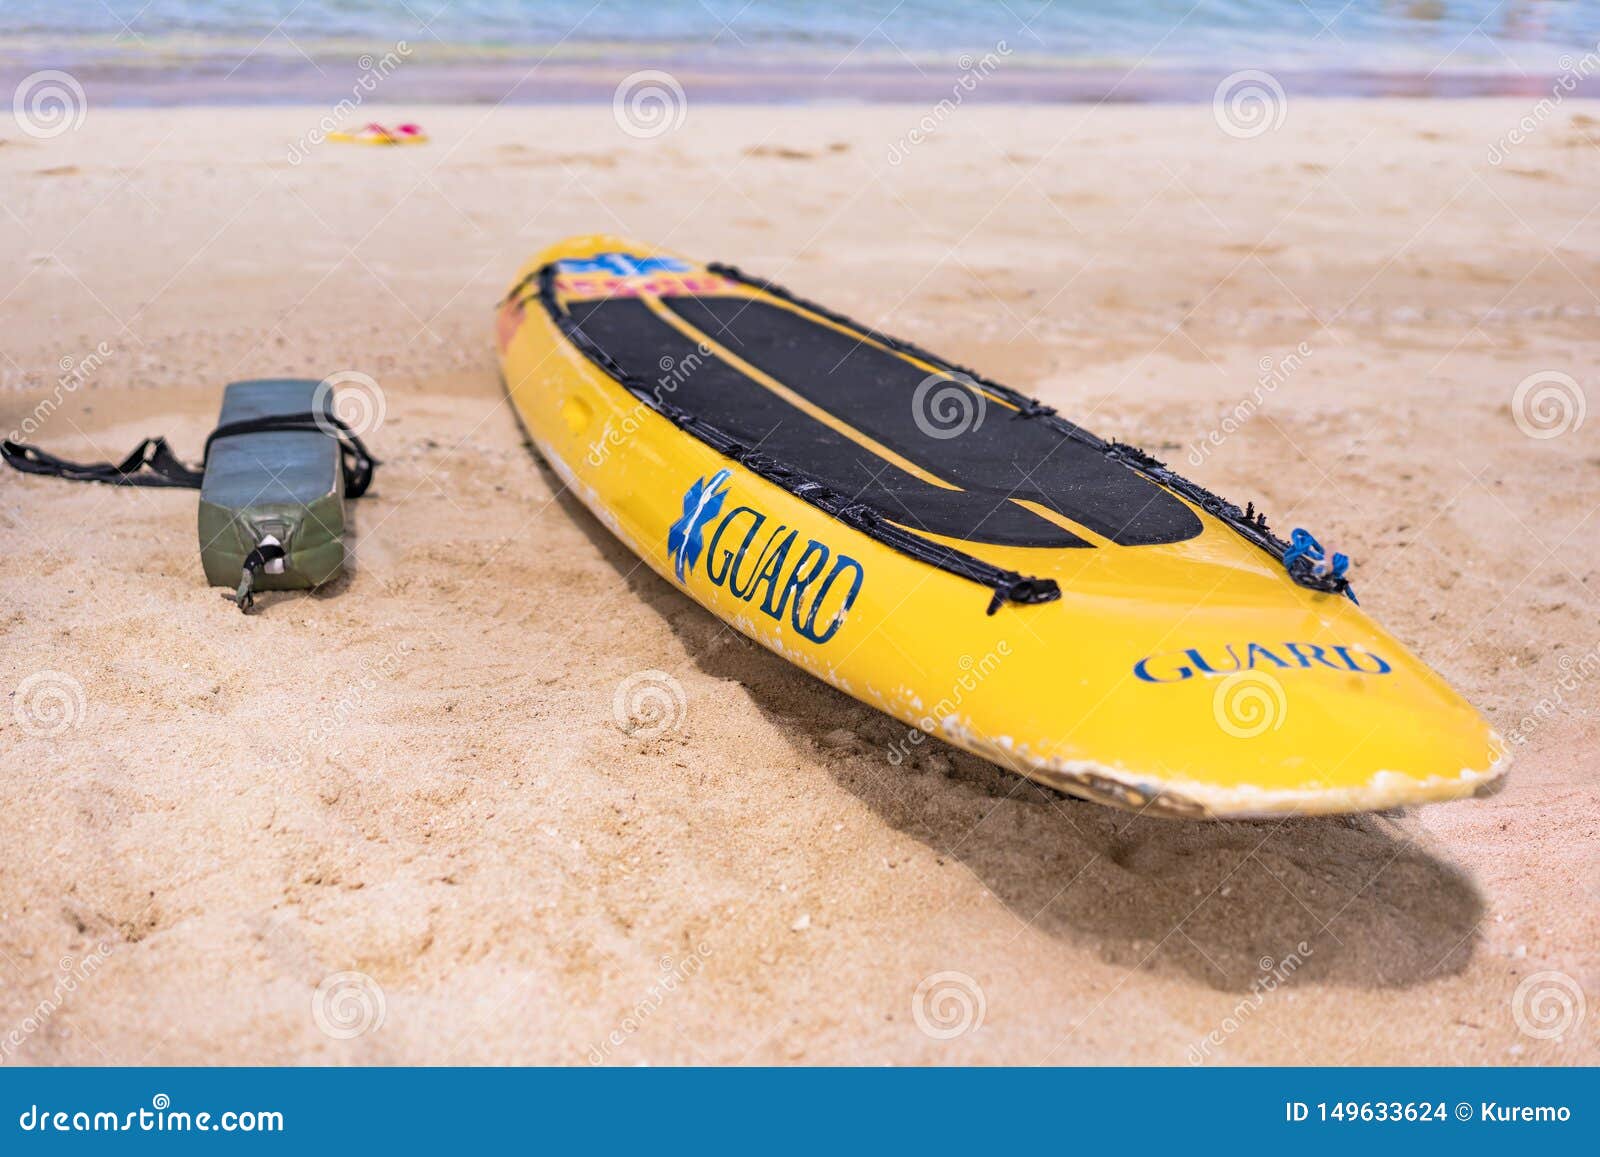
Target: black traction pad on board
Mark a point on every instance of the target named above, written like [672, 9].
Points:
[640, 343]
[986, 449]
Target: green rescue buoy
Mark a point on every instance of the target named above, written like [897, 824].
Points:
[277, 471]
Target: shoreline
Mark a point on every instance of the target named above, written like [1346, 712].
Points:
[571, 77]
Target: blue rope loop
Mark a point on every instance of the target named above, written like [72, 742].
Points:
[1309, 565]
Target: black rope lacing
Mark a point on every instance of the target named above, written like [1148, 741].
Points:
[1247, 522]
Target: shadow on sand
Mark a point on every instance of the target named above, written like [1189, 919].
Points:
[1355, 900]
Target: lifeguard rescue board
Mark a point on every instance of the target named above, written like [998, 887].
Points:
[962, 558]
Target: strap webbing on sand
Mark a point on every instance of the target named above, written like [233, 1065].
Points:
[154, 464]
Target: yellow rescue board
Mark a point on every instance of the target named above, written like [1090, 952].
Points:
[1103, 634]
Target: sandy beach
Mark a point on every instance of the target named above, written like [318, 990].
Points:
[471, 862]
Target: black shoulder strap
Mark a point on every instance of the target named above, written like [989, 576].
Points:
[357, 460]
[154, 464]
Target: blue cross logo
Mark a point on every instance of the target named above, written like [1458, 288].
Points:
[701, 503]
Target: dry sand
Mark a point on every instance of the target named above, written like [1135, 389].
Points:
[524, 882]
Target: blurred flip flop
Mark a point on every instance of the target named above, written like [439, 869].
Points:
[376, 134]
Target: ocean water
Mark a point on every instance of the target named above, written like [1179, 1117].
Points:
[224, 52]
[1516, 35]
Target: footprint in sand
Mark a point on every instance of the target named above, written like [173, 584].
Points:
[1585, 131]
[780, 151]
